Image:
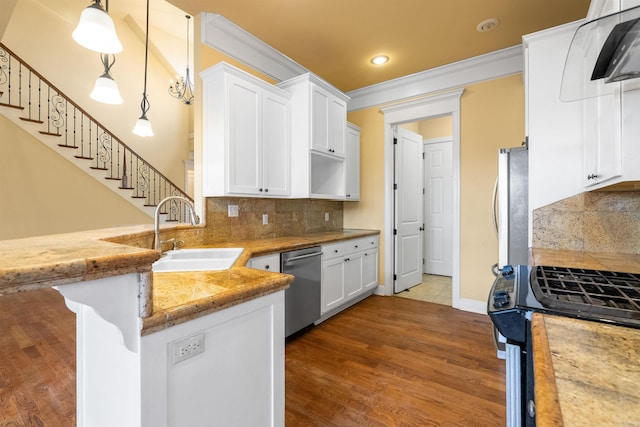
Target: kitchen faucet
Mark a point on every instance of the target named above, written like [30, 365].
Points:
[157, 243]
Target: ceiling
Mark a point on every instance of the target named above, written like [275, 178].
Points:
[336, 39]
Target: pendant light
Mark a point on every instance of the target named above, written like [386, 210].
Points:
[143, 125]
[96, 30]
[106, 89]
[183, 88]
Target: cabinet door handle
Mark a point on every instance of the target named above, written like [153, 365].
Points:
[266, 190]
[266, 267]
[260, 190]
[592, 176]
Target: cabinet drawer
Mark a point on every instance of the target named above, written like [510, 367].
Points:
[363, 243]
[267, 262]
[334, 250]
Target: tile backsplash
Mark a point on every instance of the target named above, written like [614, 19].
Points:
[592, 222]
[285, 217]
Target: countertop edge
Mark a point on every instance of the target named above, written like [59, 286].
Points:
[548, 411]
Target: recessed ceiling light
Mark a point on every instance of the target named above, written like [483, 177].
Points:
[380, 59]
[487, 25]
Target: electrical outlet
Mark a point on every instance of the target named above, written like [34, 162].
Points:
[265, 219]
[326, 216]
[232, 210]
[188, 347]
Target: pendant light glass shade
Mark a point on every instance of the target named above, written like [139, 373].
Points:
[106, 89]
[143, 127]
[96, 31]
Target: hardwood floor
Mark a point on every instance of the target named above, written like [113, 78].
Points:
[37, 360]
[386, 362]
[392, 361]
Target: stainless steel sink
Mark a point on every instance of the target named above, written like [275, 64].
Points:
[198, 259]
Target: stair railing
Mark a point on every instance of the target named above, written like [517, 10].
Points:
[22, 87]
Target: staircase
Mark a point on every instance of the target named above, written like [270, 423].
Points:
[37, 106]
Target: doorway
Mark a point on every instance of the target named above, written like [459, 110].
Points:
[423, 210]
[442, 104]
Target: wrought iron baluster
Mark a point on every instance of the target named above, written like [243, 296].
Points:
[19, 83]
[39, 100]
[5, 64]
[80, 133]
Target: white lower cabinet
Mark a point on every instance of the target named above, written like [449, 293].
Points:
[221, 369]
[370, 269]
[332, 283]
[349, 270]
[238, 380]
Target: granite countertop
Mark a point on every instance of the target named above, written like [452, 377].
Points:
[586, 373]
[60, 259]
[179, 297]
[47, 261]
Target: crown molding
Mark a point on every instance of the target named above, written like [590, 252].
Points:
[223, 35]
[490, 66]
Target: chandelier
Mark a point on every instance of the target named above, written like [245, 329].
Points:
[182, 89]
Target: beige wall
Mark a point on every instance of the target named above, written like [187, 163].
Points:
[369, 211]
[41, 191]
[42, 37]
[492, 116]
[435, 128]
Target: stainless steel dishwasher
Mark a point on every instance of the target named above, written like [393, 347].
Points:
[303, 297]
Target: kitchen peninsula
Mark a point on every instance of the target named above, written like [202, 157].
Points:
[131, 321]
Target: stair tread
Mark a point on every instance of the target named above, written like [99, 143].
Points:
[126, 188]
[4, 104]
[50, 133]
[26, 119]
[83, 157]
[98, 169]
[67, 146]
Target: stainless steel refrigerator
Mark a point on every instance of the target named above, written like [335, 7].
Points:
[513, 206]
[511, 217]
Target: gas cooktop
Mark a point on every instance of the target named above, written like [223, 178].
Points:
[611, 296]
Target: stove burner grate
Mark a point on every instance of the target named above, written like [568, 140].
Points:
[598, 292]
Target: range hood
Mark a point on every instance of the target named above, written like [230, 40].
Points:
[603, 52]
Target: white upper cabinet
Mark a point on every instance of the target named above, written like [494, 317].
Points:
[318, 135]
[246, 135]
[328, 122]
[352, 191]
[577, 145]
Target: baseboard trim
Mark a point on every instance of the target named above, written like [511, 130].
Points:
[473, 306]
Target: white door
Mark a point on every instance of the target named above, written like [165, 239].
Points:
[408, 209]
[438, 207]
